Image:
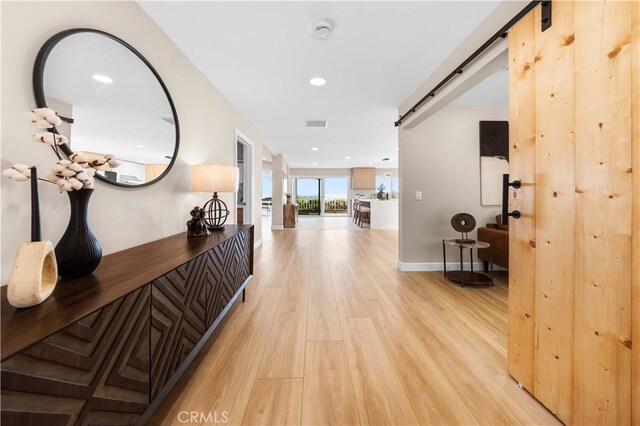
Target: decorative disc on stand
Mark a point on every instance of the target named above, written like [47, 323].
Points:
[464, 223]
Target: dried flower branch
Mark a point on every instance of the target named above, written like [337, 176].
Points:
[44, 118]
[18, 172]
[50, 138]
[69, 175]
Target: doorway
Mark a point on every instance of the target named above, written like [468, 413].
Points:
[244, 162]
[322, 196]
[308, 193]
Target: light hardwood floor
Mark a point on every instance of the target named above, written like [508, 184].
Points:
[332, 333]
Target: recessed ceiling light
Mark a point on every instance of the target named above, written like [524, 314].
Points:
[371, 164]
[102, 78]
[347, 158]
[397, 149]
[315, 164]
[318, 81]
[315, 148]
[140, 146]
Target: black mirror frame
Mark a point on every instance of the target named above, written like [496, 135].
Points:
[38, 89]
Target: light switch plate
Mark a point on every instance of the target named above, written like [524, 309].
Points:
[418, 196]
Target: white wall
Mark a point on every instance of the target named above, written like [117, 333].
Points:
[279, 172]
[120, 218]
[441, 158]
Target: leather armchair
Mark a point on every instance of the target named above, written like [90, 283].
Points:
[498, 236]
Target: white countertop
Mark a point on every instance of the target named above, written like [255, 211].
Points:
[384, 213]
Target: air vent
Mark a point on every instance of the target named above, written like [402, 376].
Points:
[317, 123]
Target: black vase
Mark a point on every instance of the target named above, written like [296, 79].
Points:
[78, 252]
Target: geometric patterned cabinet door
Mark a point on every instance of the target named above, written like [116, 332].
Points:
[230, 267]
[95, 371]
[178, 317]
[188, 300]
[131, 336]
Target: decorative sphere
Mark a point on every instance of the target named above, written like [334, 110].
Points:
[216, 213]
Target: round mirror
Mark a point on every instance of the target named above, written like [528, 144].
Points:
[111, 101]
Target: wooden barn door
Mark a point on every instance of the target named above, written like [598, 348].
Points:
[574, 284]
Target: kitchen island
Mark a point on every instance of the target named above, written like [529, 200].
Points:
[384, 213]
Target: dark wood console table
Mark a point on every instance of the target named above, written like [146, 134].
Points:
[108, 348]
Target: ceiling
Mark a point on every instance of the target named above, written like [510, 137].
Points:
[261, 55]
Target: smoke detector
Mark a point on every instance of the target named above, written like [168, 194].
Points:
[322, 28]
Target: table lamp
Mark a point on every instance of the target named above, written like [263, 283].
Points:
[214, 178]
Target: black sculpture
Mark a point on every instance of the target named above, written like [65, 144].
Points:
[196, 226]
[464, 223]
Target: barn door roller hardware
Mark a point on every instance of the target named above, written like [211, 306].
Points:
[501, 33]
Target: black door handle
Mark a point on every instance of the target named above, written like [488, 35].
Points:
[505, 199]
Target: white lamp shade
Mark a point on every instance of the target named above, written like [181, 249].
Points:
[213, 178]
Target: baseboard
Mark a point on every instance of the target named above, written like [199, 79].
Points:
[277, 227]
[257, 244]
[436, 266]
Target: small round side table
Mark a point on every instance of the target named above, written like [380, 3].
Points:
[467, 277]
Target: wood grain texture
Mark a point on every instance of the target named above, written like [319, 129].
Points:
[224, 376]
[328, 393]
[284, 354]
[555, 211]
[110, 366]
[187, 301]
[379, 394]
[586, 198]
[448, 339]
[66, 380]
[604, 202]
[275, 402]
[363, 178]
[349, 301]
[635, 255]
[178, 318]
[522, 235]
[431, 352]
[323, 322]
[227, 268]
[117, 275]
[289, 214]
[431, 394]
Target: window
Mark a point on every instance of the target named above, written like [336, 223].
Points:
[391, 183]
[266, 187]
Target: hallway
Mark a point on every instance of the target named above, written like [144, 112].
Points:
[332, 333]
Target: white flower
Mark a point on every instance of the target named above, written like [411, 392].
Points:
[44, 118]
[50, 138]
[113, 163]
[18, 172]
[77, 158]
[71, 176]
[105, 162]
